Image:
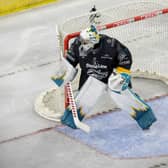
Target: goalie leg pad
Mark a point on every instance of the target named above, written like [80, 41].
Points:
[67, 118]
[144, 118]
[89, 94]
[131, 102]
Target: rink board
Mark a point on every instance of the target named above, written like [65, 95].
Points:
[117, 134]
[7, 7]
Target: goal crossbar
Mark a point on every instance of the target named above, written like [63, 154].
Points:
[70, 36]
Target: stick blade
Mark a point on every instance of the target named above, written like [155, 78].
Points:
[83, 127]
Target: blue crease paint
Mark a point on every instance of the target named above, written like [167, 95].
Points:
[118, 135]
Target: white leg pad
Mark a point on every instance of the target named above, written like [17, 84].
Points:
[128, 101]
[89, 94]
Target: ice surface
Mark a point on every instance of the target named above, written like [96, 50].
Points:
[118, 135]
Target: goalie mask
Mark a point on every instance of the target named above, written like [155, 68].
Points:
[89, 37]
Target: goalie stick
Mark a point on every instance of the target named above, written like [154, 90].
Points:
[72, 103]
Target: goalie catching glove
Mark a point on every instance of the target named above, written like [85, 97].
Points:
[120, 80]
[125, 77]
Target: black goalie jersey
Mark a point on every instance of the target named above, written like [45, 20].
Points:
[99, 61]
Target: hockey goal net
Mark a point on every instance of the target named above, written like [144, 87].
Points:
[141, 26]
[145, 33]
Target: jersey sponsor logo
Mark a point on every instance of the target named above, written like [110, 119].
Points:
[96, 66]
[97, 74]
[106, 56]
[124, 62]
[122, 56]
